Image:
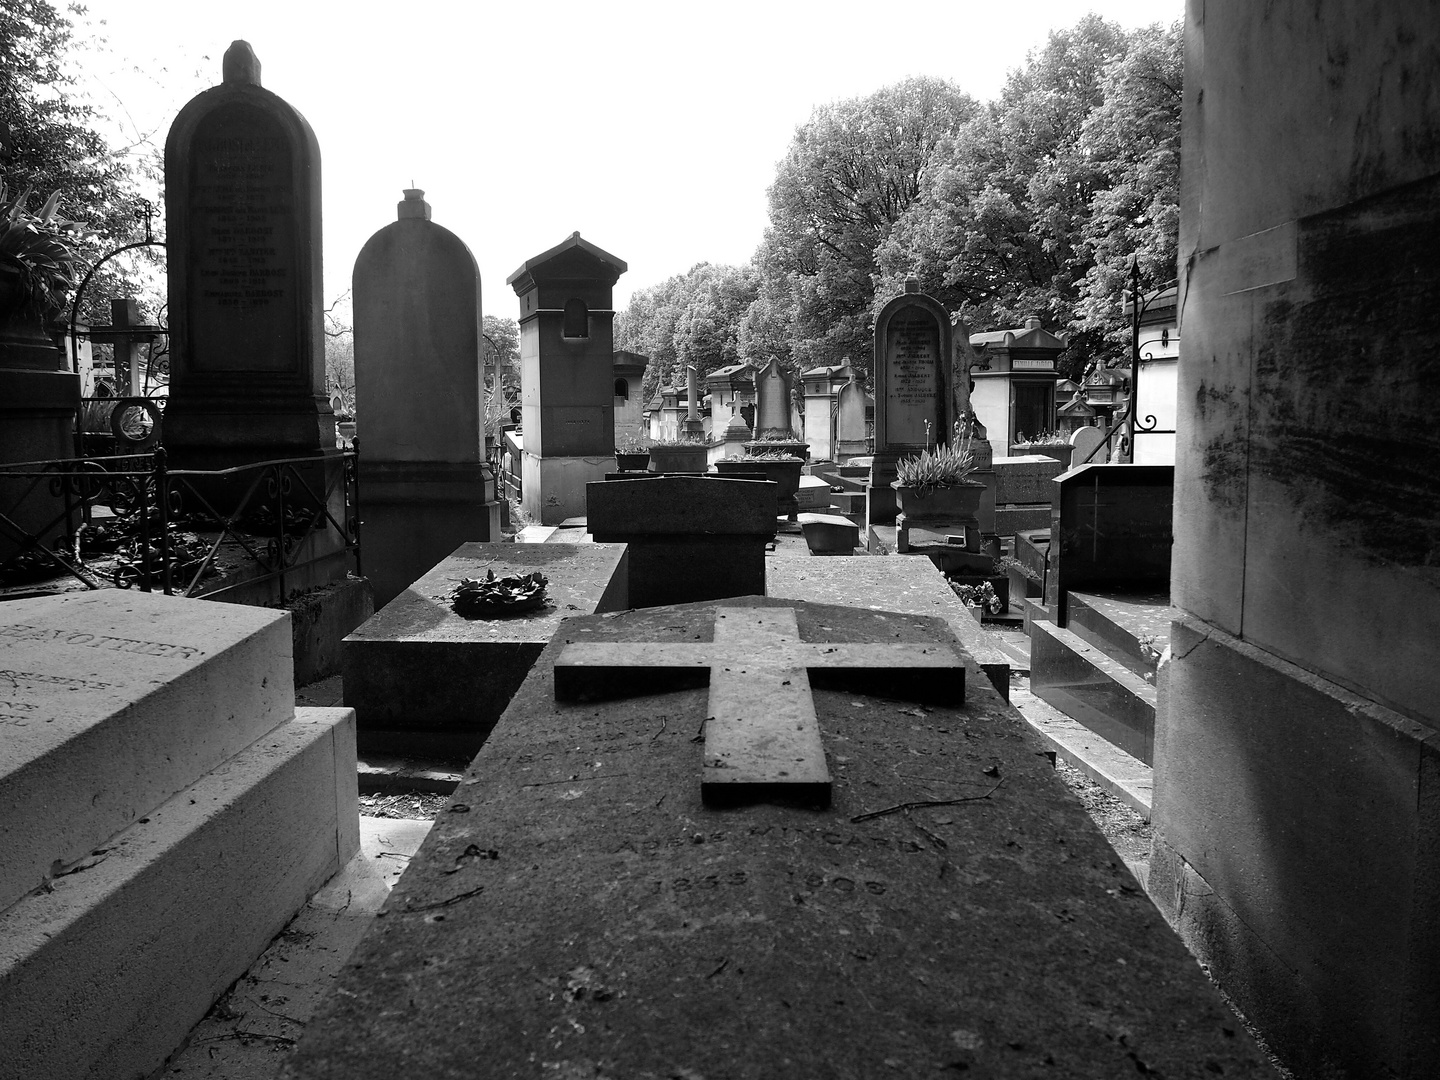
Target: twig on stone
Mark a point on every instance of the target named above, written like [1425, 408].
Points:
[898, 807]
[576, 779]
[446, 903]
[664, 721]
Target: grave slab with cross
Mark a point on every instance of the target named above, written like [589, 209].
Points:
[762, 740]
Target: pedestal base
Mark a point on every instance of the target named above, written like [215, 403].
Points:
[554, 487]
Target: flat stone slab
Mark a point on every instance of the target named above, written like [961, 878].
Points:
[111, 702]
[890, 583]
[418, 666]
[579, 912]
[762, 740]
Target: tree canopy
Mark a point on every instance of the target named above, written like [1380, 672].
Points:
[51, 140]
[1032, 204]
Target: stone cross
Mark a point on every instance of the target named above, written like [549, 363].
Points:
[762, 738]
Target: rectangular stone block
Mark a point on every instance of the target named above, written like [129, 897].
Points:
[1026, 478]
[1301, 829]
[680, 505]
[1099, 691]
[418, 666]
[103, 975]
[111, 702]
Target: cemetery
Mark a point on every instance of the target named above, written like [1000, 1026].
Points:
[748, 695]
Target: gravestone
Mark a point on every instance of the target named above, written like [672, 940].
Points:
[762, 740]
[914, 409]
[419, 380]
[772, 402]
[417, 674]
[690, 537]
[242, 210]
[583, 912]
[851, 437]
[76, 670]
[1087, 442]
[567, 389]
[164, 811]
[693, 426]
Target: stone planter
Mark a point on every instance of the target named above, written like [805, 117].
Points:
[785, 472]
[636, 462]
[796, 448]
[958, 504]
[688, 458]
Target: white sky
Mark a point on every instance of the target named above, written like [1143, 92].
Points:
[653, 128]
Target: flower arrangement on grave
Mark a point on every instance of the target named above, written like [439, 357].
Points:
[491, 597]
[41, 253]
[1044, 438]
[982, 596]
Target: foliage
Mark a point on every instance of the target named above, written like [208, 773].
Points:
[44, 246]
[850, 174]
[501, 345]
[629, 444]
[491, 597]
[945, 466]
[1037, 207]
[51, 140]
[1044, 438]
[693, 318]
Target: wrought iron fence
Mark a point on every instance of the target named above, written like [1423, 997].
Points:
[140, 524]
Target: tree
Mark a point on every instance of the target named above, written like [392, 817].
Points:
[850, 174]
[50, 141]
[1021, 203]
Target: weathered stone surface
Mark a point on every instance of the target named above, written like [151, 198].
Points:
[1026, 478]
[418, 666]
[909, 585]
[689, 537]
[242, 210]
[102, 975]
[113, 701]
[584, 914]
[830, 534]
[761, 738]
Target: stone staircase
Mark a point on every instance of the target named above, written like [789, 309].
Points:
[164, 811]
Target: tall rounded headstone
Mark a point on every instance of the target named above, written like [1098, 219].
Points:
[419, 389]
[914, 403]
[772, 402]
[242, 205]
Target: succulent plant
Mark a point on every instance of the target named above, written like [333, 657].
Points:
[945, 466]
[43, 246]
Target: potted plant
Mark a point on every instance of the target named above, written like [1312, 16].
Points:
[781, 467]
[678, 456]
[631, 454]
[935, 486]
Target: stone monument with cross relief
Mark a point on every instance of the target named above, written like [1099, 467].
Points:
[593, 904]
[914, 401]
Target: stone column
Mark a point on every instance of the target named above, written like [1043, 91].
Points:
[1297, 743]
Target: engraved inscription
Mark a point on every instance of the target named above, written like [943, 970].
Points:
[242, 244]
[913, 384]
[17, 632]
[34, 678]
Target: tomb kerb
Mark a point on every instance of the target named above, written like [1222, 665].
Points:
[566, 375]
[418, 381]
[242, 206]
[914, 402]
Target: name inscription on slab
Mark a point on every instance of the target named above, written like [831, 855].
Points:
[82, 638]
[242, 243]
[912, 378]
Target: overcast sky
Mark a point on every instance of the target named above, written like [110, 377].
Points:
[652, 128]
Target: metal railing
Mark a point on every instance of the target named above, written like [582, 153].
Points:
[141, 524]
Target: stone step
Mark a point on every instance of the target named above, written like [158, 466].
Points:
[113, 701]
[104, 972]
[1093, 688]
[1131, 628]
[1127, 778]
